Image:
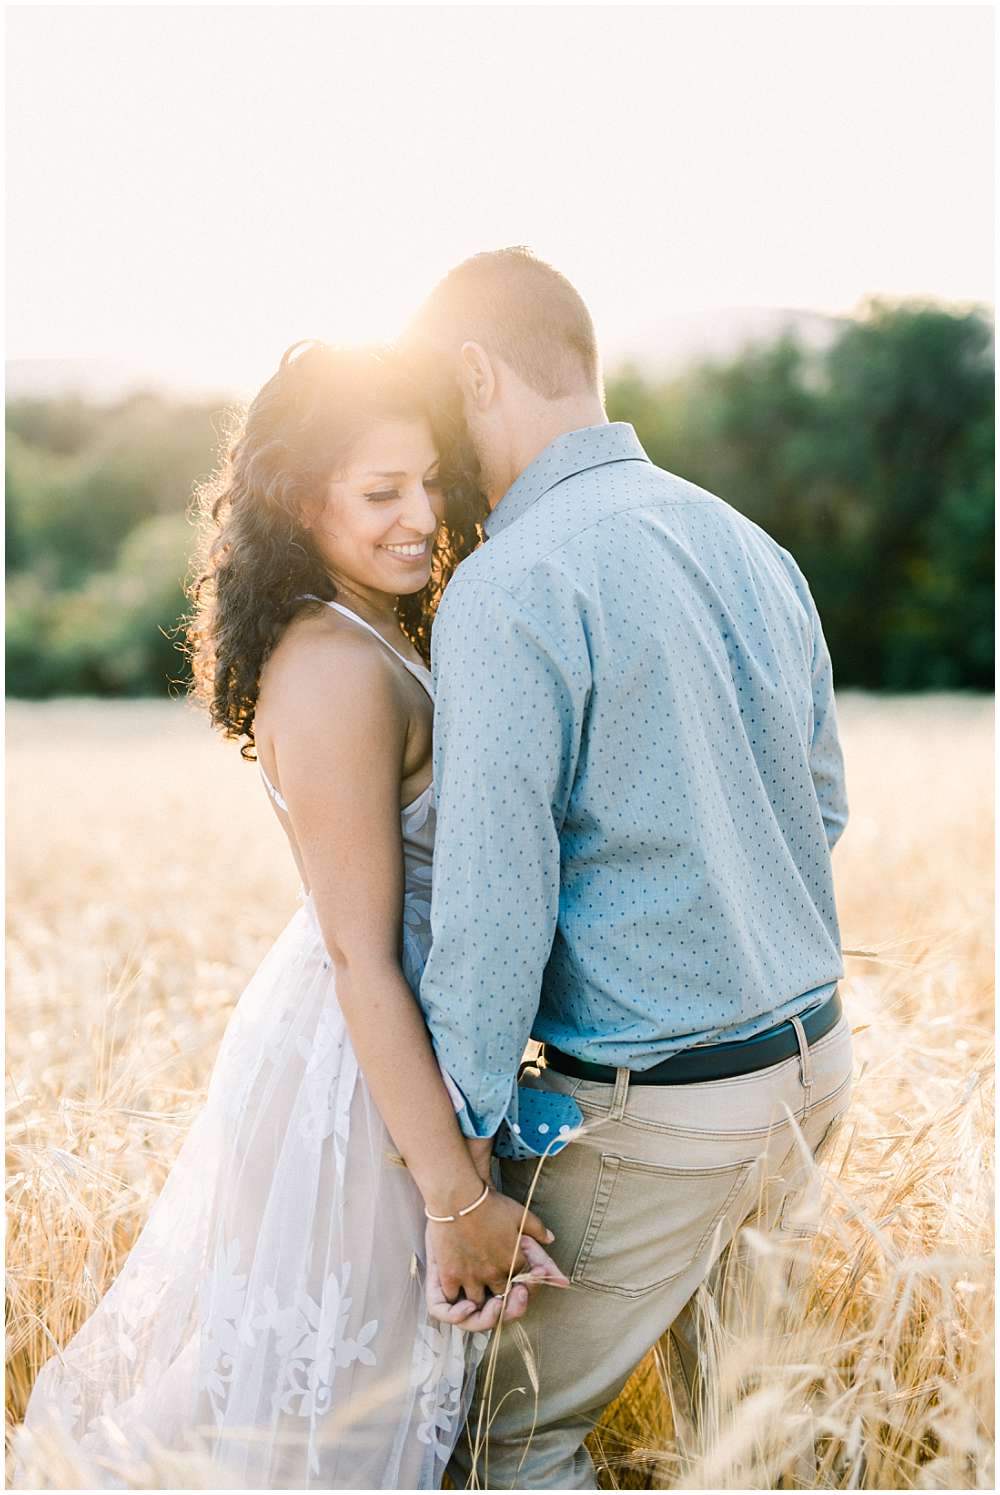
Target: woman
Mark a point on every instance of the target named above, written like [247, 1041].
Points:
[270, 1318]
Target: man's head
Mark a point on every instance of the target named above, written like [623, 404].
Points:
[519, 344]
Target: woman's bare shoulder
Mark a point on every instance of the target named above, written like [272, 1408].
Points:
[323, 664]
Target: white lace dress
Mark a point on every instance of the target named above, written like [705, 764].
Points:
[270, 1317]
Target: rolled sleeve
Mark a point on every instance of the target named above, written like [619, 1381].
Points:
[826, 761]
[506, 738]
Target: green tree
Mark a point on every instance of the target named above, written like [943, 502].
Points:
[905, 442]
[871, 462]
[71, 508]
[873, 465]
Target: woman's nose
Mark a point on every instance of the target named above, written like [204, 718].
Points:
[418, 513]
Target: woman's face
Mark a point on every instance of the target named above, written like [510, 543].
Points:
[376, 527]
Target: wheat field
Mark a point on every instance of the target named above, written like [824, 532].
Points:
[147, 876]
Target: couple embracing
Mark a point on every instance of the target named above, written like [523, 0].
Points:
[601, 821]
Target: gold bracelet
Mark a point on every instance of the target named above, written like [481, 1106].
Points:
[450, 1219]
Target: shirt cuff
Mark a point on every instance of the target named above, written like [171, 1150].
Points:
[536, 1123]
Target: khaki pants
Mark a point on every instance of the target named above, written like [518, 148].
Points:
[642, 1206]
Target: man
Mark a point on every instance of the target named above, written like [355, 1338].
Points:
[639, 783]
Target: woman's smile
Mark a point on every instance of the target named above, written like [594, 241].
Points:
[409, 550]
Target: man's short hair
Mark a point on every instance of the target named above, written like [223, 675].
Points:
[523, 311]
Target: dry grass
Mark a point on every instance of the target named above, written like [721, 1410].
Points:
[147, 876]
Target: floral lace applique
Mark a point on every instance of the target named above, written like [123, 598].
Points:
[319, 1111]
[439, 1369]
[224, 1325]
[311, 1339]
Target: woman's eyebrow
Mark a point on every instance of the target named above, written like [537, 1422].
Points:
[373, 474]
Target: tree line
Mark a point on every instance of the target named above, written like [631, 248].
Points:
[871, 461]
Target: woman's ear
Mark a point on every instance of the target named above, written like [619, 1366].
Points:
[476, 375]
[306, 511]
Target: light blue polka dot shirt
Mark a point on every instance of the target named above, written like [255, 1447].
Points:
[638, 781]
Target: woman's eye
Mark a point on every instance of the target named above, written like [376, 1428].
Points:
[383, 495]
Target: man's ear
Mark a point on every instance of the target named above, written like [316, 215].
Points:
[476, 375]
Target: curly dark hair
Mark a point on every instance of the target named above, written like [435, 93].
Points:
[256, 560]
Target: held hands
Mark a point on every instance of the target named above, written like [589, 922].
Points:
[475, 1260]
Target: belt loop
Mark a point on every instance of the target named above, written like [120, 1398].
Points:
[805, 1061]
[620, 1097]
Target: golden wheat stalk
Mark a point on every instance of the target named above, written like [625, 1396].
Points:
[146, 878]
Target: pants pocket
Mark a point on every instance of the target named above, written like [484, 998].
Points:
[648, 1224]
[800, 1208]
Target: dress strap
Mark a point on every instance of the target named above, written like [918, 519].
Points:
[419, 671]
[278, 800]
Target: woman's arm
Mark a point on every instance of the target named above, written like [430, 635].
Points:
[339, 722]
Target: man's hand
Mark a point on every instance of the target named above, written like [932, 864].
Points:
[472, 1261]
[464, 1313]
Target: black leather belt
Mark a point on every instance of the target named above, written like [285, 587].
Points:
[715, 1061]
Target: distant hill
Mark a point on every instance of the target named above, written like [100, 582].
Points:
[98, 380]
[716, 335]
[665, 346]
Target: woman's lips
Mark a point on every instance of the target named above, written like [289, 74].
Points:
[415, 551]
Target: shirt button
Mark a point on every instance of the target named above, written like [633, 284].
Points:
[543, 1127]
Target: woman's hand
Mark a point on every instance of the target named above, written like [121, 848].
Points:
[476, 1262]
[481, 1153]
[465, 1314]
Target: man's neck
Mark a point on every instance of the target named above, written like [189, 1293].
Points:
[537, 427]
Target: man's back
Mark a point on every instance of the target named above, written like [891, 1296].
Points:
[638, 785]
[635, 692]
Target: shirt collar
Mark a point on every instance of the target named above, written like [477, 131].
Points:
[570, 453]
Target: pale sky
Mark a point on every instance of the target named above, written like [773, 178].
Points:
[191, 189]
